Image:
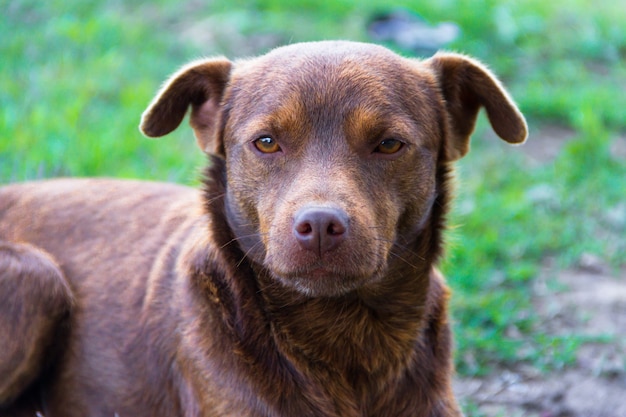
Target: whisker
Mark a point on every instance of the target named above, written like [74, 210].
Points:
[376, 227]
[394, 243]
[212, 200]
[235, 239]
[392, 253]
[245, 255]
[404, 248]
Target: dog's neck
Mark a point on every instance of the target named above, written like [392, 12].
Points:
[366, 337]
[345, 336]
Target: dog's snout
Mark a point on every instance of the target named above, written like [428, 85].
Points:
[320, 229]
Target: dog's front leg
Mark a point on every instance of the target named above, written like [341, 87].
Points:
[34, 300]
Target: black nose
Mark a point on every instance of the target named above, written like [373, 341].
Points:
[320, 229]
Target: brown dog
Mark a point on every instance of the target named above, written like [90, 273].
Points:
[300, 282]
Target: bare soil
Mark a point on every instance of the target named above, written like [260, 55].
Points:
[592, 302]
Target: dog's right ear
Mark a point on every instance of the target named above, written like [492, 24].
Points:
[201, 85]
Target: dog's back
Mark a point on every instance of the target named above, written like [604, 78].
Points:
[93, 264]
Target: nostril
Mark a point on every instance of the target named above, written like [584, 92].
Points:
[303, 228]
[336, 229]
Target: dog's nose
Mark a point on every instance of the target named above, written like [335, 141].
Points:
[320, 229]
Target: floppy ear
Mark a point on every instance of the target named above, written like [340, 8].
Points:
[466, 86]
[200, 84]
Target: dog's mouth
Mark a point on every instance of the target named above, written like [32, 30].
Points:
[326, 278]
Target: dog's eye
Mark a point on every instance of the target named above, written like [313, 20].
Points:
[267, 145]
[389, 146]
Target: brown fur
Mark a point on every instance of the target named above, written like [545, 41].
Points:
[145, 299]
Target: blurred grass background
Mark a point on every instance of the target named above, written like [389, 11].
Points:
[75, 77]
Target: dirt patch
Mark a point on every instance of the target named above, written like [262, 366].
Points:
[545, 143]
[588, 301]
[618, 147]
[227, 32]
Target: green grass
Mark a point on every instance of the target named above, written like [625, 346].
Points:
[76, 76]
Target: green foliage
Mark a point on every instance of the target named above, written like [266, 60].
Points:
[75, 81]
[75, 77]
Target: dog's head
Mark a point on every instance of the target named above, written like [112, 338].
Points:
[332, 150]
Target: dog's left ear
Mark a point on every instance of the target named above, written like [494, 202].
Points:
[200, 85]
[466, 86]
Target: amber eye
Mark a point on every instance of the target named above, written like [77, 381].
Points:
[389, 146]
[267, 145]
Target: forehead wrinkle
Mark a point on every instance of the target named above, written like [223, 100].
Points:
[290, 117]
[367, 120]
[281, 114]
[334, 94]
